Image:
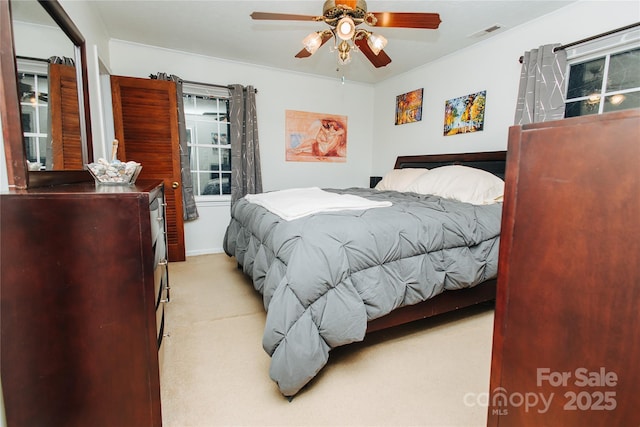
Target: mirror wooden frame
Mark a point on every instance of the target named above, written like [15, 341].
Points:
[18, 175]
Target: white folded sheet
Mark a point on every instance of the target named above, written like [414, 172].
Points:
[296, 203]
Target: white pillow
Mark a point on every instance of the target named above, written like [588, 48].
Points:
[462, 183]
[400, 179]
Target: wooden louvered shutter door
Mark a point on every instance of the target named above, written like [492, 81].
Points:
[145, 115]
[66, 139]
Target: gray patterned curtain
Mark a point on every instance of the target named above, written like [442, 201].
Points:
[541, 94]
[246, 177]
[189, 209]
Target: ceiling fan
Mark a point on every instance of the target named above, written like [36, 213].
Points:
[343, 18]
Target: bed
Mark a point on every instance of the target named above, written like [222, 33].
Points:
[330, 277]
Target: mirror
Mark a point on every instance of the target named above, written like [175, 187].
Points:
[53, 119]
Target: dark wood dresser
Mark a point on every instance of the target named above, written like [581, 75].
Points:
[84, 279]
[566, 345]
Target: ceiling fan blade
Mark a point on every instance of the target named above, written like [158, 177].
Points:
[281, 16]
[379, 60]
[429, 21]
[304, 53]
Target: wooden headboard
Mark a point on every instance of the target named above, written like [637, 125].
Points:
[494, 162]
[491, 161]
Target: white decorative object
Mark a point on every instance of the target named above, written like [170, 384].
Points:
[115, 172]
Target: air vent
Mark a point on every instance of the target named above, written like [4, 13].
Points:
[486, 31]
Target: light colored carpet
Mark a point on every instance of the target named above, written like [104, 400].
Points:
[433, 372]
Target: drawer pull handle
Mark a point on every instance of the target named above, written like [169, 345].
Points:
[175, 185]
[163, 262]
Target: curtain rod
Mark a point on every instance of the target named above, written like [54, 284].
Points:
[211, 84]
[588, 39]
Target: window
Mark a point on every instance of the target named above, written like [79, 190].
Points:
[206, 111]
[34, 108]
[604, 75]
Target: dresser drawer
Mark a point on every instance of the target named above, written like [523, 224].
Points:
[161, 347]
[160, 263]
[158, 233]
[161, 319]
[161, 285]
[156, 211]
[161, 299]
[160, 252]
[160, 323]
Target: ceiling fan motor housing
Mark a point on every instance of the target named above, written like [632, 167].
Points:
[336, 9]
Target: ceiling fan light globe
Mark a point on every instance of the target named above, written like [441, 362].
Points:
[346, 28]
[312, 42]
[376, 43]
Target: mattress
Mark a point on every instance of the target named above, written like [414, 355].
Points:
[324, 276]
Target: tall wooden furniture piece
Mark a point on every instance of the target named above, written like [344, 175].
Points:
[566, 348]
[84, 279]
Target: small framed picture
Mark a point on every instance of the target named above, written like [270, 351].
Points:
[409, 107]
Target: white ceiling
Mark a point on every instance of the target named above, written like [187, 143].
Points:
[224, 29]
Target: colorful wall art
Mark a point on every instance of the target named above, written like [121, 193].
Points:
[409, 107]
[315, 137]
[464, 114]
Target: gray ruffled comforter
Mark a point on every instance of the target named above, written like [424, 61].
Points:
[324, 276]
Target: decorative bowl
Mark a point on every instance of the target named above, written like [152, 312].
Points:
[114, 172]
